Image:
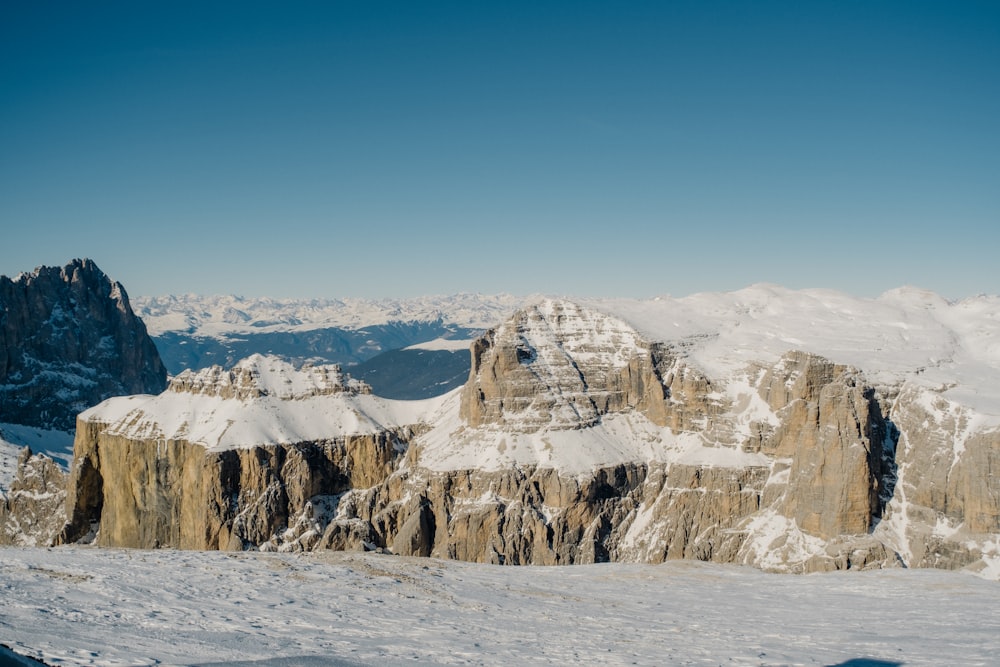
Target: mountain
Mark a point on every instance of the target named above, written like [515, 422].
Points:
[194, 332]
[790, 430]
[68, 340]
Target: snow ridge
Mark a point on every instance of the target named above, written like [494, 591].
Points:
[264, 400]
[905, 335]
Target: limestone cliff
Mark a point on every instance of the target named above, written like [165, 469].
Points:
[180, 471]
[69, 340]
[143, 494]
[945, 509]
[576, 439]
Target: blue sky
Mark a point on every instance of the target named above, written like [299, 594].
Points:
[583, 148]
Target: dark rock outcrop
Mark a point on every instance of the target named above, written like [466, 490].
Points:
[69, 340]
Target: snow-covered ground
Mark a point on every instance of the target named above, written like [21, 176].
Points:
[86, 606]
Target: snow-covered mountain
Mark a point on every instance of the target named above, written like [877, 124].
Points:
[230, 315]
[261, 400]
[906, 338]
[792, 430]
[905, 335]
[194, 332]
[68, 340]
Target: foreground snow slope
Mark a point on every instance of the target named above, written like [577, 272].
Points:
[84, 606]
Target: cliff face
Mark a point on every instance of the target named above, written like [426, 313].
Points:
[34, 509]
[574, 440]
[69, 340]
[142, 494]
[832, 430]
[140, 480]
[945, 510]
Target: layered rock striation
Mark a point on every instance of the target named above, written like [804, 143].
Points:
[576, 439]
[69, 340]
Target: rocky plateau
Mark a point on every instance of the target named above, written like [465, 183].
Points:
[792, 431]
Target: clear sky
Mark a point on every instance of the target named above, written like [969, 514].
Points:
[372, 149]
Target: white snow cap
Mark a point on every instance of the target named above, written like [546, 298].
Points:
[260, 375]
[907, 334]
[262, 400]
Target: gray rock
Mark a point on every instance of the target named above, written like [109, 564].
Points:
[33, 512]
[69, 340]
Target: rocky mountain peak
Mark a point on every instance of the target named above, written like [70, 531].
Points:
[259, 375]
[68, 340]
[553, 364]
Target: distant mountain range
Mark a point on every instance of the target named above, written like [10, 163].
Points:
[373, 339]
[230, 315]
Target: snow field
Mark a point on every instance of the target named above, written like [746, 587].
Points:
[905, 334]
[85, 606]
